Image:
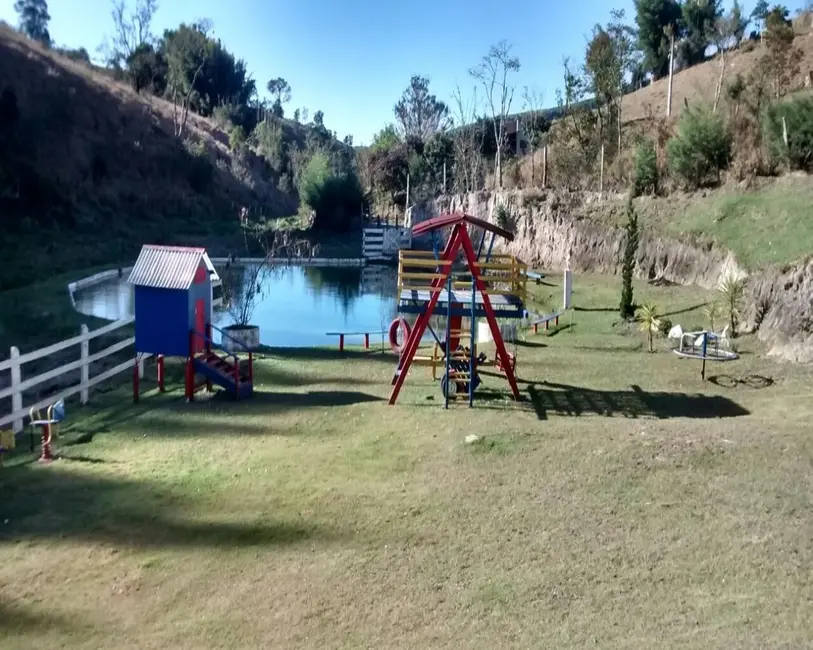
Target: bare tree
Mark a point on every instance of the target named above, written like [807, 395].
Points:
[130, 30]
[726, 29]
[493, 72]
[534, 123]
[468, 141]
[187, 52]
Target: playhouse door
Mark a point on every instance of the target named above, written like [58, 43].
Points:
[200, 324]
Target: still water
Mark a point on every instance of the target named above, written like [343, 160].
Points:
[294, 306]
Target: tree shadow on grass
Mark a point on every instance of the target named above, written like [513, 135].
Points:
[574, 401]
[686, 310]
[19, 620]
[56, 503]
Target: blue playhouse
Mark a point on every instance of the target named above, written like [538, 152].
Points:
[173, 318]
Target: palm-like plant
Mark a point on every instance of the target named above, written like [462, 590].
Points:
[732, 290]
[712, 313]
[648, 317]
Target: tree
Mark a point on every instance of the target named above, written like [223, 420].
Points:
[147, 68]
[493, 72]
[187, 50]
[646, 168]
[739, 21]
[732, 290]
[760, 15]
[712, 312]
[652, 18]
[386, 138]
[131, 33]
[699, 19]
[348, 140]
[650, 323]
[280, 91]
[319, 119]
[606, 62]
[631, 240]
[780, 63]
[419, 113]
[701, 149]
[727, 30]
[34, 19]
[534, 124]
[467, 140]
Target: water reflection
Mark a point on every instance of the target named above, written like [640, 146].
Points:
[293, 306]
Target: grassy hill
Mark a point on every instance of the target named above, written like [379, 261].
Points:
[90, 170]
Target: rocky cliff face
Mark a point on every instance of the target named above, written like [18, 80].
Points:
[551, 228]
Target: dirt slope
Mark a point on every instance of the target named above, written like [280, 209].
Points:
[697, 84]
[89, 170]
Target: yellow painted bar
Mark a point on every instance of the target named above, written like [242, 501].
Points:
[409, 287]
[421, 276]
[425, 263]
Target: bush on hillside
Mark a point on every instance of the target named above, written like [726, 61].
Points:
[646, 168]
[237, 139]
[334, 196]
[701, 149]
[797, 114]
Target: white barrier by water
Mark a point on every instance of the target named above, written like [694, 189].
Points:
[17, 361]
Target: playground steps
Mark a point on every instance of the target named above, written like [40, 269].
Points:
[221, 372]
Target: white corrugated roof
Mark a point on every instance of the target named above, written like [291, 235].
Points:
[169, 267]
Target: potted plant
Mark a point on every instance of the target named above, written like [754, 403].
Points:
[242, 290]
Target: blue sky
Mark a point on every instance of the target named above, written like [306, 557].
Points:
[353, 58]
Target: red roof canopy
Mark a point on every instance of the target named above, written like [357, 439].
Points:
[452, 219]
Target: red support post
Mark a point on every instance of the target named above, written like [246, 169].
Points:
[236, 376]
[160, 366]
[412, 343]
[536, 328]
[471, 257]
[366, 341]
[557, 321]
[135, 380]
[45, 455]
[341, 342]
[250, 366]
[190, 380]
[547, 325]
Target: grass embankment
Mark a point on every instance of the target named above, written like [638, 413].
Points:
[768, 225]
[622, 502]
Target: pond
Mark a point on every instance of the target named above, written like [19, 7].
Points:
[294, 307]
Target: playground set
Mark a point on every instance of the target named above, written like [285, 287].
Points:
[173, 318]
[457, 283]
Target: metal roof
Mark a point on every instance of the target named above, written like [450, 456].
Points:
[446, 220]
[169, 267]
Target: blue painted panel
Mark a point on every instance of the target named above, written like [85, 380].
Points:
[161, 321]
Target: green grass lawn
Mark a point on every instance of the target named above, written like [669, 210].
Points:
[621, 503]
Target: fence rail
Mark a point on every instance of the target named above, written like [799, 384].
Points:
[17, 361]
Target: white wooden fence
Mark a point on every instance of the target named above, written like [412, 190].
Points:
[86, 382]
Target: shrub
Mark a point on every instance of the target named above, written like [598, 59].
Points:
[701, 149]
[237, 139]
[797, 114]
[664, 326]
[334, 196]
[646, 168]
[270, 142]
[503, 216]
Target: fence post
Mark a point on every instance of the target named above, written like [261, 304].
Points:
[601, 174]
[85, 369]
[16, 379]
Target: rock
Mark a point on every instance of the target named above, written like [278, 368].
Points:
[472, 439]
